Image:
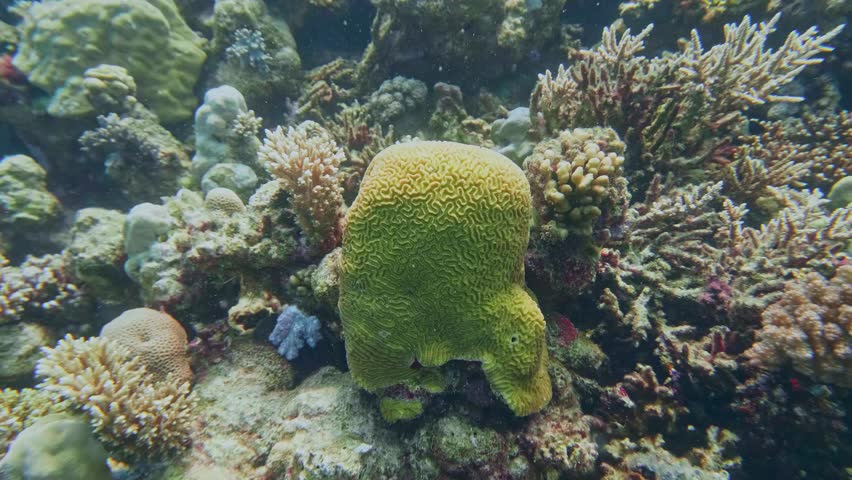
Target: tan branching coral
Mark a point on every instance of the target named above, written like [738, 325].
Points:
[307, 161]
[802, 237]
[749, 177]
[742, 71]
[672, 234]
[811, 327]
[135, 416]
[822, 139]
[21, 408]
[671, 106]
[572, 178]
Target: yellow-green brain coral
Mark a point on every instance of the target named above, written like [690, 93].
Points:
[432, 270]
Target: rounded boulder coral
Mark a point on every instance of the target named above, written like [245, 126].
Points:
[156, 337]
[432, 270]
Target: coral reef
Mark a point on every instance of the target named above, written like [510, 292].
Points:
[627, 267]
[247, 37]
[441, 39]
[810, 326]
[673, 106]
[39, 289]
[307, 160]
[131, 413]
[186, 249]
[154, 337]
[225, 133]
[56, 446]
[95, 254]
[447, 260]
[25, 202]
[144, 159]
[59, 40]
[293, 330]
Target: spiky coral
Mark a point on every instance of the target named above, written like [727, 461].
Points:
[134, 415]
[802, 237]
[21, 408]
[810, 326]
[823, 140]
[307, 160]
[669, 106]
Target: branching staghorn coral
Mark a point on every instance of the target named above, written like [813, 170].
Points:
[670, 236]
[21, 408]
[749, 176]
[802, 237]
[669, 107]
[307, 161]
[822, 139]
[811, 327]
[135, 416]
[361, 139]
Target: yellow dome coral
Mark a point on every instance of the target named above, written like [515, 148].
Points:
[432, 271]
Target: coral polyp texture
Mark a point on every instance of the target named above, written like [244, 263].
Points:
[307, 160]
[432, 270]
[155, 337]
[810, 326]
[572, 176]
[135, 416]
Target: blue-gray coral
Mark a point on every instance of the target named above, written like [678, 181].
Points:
[293, 330]
[249, 50]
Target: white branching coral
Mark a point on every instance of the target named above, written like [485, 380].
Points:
[811, 327]
[134, 416]
[307, 160]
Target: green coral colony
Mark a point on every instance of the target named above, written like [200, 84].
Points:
[404, 239]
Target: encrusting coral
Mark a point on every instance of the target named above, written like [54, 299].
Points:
[135, 416]
[434, 271]
[56, 446]
[307, 160]
[155, 337]
[60, 39]
[811, 327]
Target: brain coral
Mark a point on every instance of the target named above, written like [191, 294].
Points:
[154, 336]
[432, 270]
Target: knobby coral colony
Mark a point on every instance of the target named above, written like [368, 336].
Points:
[655, 285]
